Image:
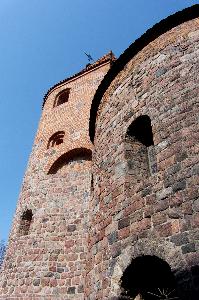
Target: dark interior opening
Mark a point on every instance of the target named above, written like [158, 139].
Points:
[150, 277]
[26, 219]
[27, 215]
[139, 150]
[56, 139]
[141, 130]
[62, 97]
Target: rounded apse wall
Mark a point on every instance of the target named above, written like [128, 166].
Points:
[159, 207]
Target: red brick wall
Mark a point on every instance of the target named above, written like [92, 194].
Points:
[49, 262]
[157, 215]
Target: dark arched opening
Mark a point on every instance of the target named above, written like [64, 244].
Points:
[141, 130]
[150, 277]
[150, 35]
[62, 97]
[139, 149]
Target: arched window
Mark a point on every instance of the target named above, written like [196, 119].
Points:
[25, 222]
[139, 148]
[141, 130]
[62, 97]
[150, 277]
[56, 139]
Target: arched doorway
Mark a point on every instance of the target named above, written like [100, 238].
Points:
[150, 277]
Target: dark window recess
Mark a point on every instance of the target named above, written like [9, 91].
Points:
[56, 139]
[150, 277]
[141, 130]
[62, 97]
[25, 222]
[139, 149]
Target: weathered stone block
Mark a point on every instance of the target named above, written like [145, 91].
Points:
[188, 248]
[71, 290]
[123, 223]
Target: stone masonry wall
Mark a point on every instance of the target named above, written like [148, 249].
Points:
[81, 217]
[158, 215]
[48, 262]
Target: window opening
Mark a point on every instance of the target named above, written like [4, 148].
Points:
[141, 130]
[139, 148]
[62, 97]
[25, 222]
[56, 139]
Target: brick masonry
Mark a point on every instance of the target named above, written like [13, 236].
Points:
[93, 214]
[156, 214]
[49, 261]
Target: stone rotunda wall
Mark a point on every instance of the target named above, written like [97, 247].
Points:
[156, 213]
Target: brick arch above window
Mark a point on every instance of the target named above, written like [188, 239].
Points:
[76, 154]
[62, 97]
[161, 248]
[56, 139]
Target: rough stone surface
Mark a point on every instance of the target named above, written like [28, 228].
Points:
[159, 206]
[86, 229]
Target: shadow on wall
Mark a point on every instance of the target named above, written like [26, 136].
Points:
[74, 154]
[139, 149]
[150, 278]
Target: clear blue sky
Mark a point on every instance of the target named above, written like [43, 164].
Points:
[43, 42]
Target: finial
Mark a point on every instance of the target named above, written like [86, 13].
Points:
[89, 57]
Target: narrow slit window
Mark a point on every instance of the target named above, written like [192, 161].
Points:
[25, 222]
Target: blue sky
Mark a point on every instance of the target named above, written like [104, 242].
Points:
[43, 42]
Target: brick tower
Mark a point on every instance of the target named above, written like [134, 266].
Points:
[47, 246]
[129, 229]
